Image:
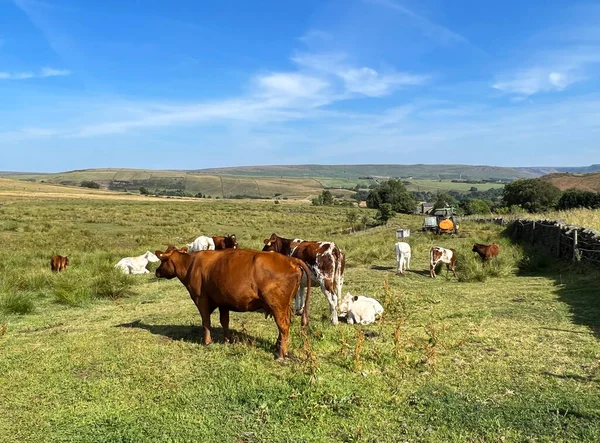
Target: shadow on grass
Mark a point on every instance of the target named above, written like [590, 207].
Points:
[194, 334]
[383, 268]
[576, 283]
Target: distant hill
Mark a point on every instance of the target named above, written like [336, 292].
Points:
[442, 172]
[301, 181]
[585, 182]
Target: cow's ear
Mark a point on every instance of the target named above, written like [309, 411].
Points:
[232, 236]
[184, 249]
[159, 254]
[267, 242]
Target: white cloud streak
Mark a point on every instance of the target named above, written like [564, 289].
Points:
[44, 72]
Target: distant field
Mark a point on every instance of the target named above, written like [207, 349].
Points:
[508, 352]
[233, 185]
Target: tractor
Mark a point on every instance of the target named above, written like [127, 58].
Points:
[441, 221]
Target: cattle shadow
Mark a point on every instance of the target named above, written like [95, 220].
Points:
[383, 268]
[194, 334]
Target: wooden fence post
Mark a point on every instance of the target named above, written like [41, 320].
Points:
[575, 245]
[532, 231]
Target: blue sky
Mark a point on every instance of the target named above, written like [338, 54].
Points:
[193, 84]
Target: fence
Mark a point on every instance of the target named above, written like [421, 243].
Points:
[564, 241]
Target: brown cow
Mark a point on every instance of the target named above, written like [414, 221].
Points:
[224, 242]
[486, 251]
[325, 261]
[238, 280]
[58, 263]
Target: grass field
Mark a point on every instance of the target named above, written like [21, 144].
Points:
[507, 352]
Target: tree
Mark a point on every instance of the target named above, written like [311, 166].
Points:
[475, 206]
[392, 192]
[324, 199]
[144, 191]
[352, 218]
[444, 200]
[384, 213]
[90, 184]
[473, 189]
[575, 198]
[534, 195]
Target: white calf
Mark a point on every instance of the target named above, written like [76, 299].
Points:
[402, 257]
[202, 243]
[136, 265]
[360, 309]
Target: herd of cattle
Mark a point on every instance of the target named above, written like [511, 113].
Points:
[232, 279]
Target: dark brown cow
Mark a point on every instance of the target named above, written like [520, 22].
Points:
[59, 263]
[325, 261]
[224, 242]
[238, 280]
[486, 251]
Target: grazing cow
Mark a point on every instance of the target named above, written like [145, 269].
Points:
[325, 261]
[402, 257]
[59, 263]
[204, 243]
[486, 251]
[438, 254]
[238, 280]
[361, 310]
[136, 265]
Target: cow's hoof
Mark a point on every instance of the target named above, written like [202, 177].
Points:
[207, 342]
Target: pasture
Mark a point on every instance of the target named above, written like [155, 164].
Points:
[506, 352]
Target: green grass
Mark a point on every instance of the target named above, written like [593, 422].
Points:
[512, 358]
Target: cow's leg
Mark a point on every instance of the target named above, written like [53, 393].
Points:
[332, 298]
[453, 267]
[300, 299]
[398, 263]
[407, 261]
[203, 306]
[224, 317]
[432, 270]
[282, 319]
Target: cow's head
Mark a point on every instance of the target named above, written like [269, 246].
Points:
[152, 258]
[347, 301]
[231, 241]
[66, 260]
[272, 243]
[166, 269]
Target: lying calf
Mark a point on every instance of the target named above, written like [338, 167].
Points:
[360, 309]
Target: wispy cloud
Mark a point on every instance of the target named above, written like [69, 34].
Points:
[429, 28]
[363, 80]
[44, 72]
[536, 80]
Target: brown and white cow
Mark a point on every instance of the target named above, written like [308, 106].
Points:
[59, 263]
[325, 261]
[486, 251]
[438, 254]
[238, 280]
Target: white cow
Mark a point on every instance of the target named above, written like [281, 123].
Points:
[402, 257]
[137, 265]
[360, 309]
[202, 243]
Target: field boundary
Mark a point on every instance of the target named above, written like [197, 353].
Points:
[564, 241]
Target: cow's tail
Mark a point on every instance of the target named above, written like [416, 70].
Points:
[338, 274]
[304, 321]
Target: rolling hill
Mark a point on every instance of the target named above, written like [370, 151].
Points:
[585, 182]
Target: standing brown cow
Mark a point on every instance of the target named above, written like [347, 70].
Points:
[486, 251]
[238, 280]
[58, 263]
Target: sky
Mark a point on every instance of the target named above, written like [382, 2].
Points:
[187, 84]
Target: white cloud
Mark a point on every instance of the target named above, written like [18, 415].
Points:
[291, 84]
[45, 72]
[51, 72]
[357, 80]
